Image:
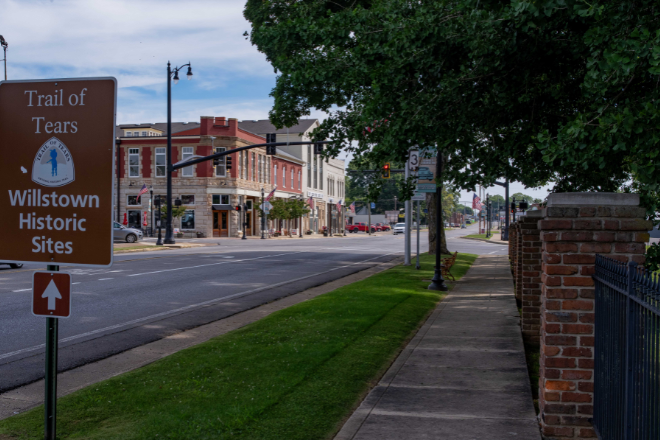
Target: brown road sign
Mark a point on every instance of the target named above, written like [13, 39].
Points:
[51, 294]
[57, 140]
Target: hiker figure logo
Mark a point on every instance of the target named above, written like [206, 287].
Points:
[53, 164]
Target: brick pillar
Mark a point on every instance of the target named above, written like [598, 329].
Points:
[531, 275]
[575, 227]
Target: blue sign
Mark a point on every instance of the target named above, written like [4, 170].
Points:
[426, 211]
[373, 205]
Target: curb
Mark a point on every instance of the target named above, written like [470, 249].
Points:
[500, 242]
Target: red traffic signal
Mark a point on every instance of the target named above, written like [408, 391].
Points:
[386, 171]
[237, 207]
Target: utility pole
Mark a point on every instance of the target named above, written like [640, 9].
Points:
[4, 45]
[369, 211]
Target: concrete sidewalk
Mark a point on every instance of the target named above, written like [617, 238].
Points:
[463, 376]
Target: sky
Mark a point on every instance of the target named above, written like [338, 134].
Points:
[134, 40]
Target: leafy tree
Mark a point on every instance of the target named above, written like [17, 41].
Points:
[177, 212]
[286, 209]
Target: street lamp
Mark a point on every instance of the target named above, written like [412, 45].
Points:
[151, 202]
[171, 72]
[4, 45]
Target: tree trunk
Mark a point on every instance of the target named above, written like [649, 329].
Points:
[431, 206]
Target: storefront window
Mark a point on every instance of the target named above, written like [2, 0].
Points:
[188, 220]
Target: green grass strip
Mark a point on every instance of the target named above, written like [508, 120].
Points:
[296, 374]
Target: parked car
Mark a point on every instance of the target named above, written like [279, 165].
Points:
[399, 228]
[383, 226]
[13, 265]
[357, 227]
[122, 233]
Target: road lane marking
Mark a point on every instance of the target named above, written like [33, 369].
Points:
[22, 290]
[104, 279]
[192, 306]
[213, 264]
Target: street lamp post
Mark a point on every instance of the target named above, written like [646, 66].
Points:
[263, 215]
[151, 202]
[172, 75]
[4, 45]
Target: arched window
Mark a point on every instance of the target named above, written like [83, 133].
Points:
[275, 174]
[283, 176]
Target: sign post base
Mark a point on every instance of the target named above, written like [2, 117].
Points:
[50, 401]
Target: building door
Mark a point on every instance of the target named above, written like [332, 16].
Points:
[134, 219]
[220, 223]
[248, 221]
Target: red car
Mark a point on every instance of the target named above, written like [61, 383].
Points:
[357, 227]
[383, 226]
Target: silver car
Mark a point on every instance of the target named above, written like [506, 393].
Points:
[13, 265]
[399, 228]
[122, 233]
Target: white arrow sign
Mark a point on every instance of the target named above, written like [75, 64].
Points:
[52, 294]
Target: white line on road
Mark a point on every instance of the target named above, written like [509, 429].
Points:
[214, 264]
[192, 306]
[103, 279]
[22, 290]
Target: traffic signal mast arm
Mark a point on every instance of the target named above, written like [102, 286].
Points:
[235, 150]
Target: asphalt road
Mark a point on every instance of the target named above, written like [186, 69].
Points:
[149, 295]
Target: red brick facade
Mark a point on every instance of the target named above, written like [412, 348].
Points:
[571, 236]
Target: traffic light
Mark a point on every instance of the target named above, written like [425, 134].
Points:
[177, 202]
[228, 161]
[271, 150]
[318, 148]
[523, 206]
[386, 171]
[513, 207]
[216, 161]
[237, 208]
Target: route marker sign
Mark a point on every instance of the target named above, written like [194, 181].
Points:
[57, 149]
[51, 294]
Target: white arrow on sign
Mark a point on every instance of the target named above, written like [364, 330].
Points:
[52, 294]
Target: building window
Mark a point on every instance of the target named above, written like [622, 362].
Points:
[321, 173]
[260, 169]
[299, 180]
[246, 159]
[309, 166]
[132, 201]
[220, 199]
[134, 219]
[188, 220]
[268, 172]
[144, 133]
[283, 177]
[248, 205]
[187, 152]
[160, 162]
[129, 133]
[275, 174]
[188, 199]
[133, 162]
[254, 165]
[315, 172]
[220, 170]
[293, 186]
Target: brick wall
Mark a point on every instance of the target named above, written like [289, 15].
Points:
[531, 275]
[576, 227]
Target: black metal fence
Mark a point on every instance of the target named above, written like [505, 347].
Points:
[627, 352]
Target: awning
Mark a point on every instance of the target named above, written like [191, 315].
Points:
[222, 208]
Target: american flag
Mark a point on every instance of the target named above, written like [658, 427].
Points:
[270, 195]
[310, 202]
[143, 190]
[339, 205]
[476, 202]
[352, 207]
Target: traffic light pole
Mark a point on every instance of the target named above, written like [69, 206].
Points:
[408, 222]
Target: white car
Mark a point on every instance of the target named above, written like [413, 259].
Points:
[399, 228]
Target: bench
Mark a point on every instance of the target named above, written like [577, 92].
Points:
[446, 266]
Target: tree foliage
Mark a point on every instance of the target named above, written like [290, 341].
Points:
[286, 209]
[536, 91]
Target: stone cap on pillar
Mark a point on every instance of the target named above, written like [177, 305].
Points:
[592, 199]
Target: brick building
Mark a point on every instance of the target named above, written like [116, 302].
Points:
[209, 193]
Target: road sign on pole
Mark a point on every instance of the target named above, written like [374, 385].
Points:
[51, 294]
[57, 140]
